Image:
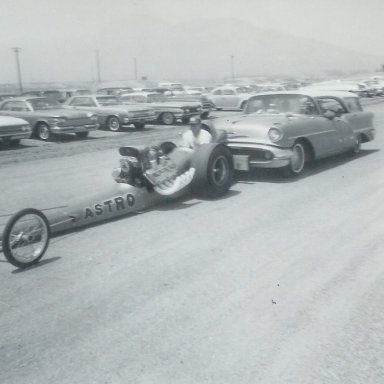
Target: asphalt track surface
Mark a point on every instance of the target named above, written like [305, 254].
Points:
[279, 282]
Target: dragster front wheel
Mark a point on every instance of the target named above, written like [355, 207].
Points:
[26, 237]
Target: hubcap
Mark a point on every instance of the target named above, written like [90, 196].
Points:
[114, 124]
[168, 118]
[43, 132]
[298, 158]
[28, 238]
[220, 170]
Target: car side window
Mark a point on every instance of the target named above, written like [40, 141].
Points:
[16, 106]
[353, 104]
[7, 106]
[328, 103]
[83, 102]
[217, 92]
[229, 92]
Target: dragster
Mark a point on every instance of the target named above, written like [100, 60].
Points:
[147, 176]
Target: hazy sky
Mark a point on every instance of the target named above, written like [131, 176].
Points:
[56, 32]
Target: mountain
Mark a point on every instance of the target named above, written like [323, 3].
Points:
[166, 50]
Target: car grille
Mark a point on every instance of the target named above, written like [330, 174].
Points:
[77, 122]
[11, 130]
[254, 154]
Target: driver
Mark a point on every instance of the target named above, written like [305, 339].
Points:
[196, 135]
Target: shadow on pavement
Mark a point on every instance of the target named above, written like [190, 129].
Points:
[38, 265]
[275, 175]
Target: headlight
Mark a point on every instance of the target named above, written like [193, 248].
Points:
[275, 134]
[187, 110]
[92, 117]
[25, 128]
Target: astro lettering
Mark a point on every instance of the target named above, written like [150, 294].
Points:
[112, 205]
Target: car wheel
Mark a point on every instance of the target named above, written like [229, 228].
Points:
[213, 165]
[113, 124]
[297, 162]
[82, 135]
[26, 237]
[139, 125]
[43, 132]
[167, 118]
[357, 145]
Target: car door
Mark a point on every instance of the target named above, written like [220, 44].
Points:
[358, 119]
[342, 136]
[217, 98]
[230, 98]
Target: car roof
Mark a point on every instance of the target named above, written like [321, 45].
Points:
[27, 98]
[311, 93]
[144, 93]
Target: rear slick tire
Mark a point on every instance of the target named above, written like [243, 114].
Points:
[213, 165]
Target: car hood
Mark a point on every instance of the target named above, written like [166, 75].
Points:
[11, 121]
[68, 113]
[254, 127]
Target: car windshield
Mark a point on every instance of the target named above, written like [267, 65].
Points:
[44, 104]
[300, 104]
[108, 100]
[158, 97]
[242, 90]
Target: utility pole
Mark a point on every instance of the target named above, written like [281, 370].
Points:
[135, 67]
[98, 66]
[17, 50]
[232, 67]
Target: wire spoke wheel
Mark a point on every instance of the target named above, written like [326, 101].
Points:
[220, 170]
[26, 237]
[43, 132]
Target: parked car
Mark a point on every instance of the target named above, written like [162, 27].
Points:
[111, 111]
[230, 97]
[5, 96]
[355, 87]
[114, 91]
[287, 129]
[166, 111]
[176, 88]
[206, 103]
[12, 130]
[47, 117]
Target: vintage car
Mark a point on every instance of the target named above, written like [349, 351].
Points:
[206, 104]
[12, 130]
[114, 91]
[229, 97]
[167, 111]
[111, 111]
[287, 129]
[5, 96]
[48, 118]
[147, 176]
[176, 88]
[355, 87]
